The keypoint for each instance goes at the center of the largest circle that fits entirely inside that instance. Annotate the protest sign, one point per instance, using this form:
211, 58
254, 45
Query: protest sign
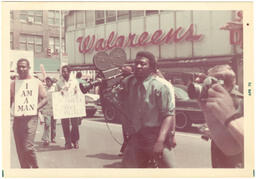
26, 97
69, 105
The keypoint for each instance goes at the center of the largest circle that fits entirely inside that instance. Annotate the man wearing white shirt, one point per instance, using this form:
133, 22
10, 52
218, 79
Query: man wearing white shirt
69, 85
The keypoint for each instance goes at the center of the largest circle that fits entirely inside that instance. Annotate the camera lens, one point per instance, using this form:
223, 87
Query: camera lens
194, 90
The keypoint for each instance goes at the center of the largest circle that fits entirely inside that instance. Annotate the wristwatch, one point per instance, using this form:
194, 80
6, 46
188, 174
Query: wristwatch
172, 133
231, 118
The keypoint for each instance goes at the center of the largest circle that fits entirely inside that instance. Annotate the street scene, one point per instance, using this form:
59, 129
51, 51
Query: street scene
100, 148
126, 89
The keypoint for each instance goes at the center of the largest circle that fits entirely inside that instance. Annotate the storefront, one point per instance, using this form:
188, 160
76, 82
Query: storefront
182, 41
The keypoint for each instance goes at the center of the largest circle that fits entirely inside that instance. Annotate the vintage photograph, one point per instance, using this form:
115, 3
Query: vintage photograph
150, 88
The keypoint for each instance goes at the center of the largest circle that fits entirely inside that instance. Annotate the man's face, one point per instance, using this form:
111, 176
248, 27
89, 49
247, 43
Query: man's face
48, 83
23, 69
142, 68
65, 73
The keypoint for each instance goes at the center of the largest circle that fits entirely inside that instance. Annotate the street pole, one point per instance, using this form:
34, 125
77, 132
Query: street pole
60, 49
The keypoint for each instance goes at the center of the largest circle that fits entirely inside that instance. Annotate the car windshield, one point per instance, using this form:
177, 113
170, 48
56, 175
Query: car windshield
181, 94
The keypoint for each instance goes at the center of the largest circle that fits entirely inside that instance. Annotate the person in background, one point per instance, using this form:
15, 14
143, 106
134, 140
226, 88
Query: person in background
69, 85
82, 82
24, 127
47, 112
149, 103
223, 111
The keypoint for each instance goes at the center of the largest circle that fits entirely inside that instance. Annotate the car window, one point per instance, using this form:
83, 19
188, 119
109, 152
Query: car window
180, 94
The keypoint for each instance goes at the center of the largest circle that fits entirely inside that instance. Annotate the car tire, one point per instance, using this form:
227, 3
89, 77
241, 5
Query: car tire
182, 121
110, 113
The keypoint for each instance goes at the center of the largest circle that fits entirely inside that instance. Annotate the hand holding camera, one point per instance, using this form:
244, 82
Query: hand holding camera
219, 103
200, 91
221, 74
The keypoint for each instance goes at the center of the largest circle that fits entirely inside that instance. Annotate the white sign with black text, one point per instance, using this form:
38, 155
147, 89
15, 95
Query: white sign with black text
26, 97
68, 105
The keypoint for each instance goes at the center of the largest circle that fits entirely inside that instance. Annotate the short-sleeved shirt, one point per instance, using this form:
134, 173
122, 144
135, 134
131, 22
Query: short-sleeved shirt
47, 109
67, 86
147, 103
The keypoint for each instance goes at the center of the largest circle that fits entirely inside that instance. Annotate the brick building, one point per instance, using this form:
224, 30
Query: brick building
38, 31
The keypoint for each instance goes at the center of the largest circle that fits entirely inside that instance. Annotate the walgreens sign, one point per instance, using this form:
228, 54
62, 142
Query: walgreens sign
90, 43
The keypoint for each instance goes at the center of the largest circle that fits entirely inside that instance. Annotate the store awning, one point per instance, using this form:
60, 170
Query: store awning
195, 62
50, 64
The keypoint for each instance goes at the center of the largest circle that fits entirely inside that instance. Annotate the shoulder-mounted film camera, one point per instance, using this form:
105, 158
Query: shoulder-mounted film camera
109, 72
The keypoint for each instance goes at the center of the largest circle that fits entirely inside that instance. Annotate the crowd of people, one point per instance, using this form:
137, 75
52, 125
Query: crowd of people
148, 106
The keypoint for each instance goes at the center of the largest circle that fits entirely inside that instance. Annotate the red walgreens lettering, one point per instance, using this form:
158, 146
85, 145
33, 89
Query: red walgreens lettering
143, 39
100, 45
120, 41
110, 42
156, 37
175, 36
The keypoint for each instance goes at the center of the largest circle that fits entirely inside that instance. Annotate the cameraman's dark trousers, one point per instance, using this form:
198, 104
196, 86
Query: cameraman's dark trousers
71, 136
24, 131
139, 151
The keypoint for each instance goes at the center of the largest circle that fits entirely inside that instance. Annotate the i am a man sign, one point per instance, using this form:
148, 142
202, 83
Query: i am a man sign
26, 97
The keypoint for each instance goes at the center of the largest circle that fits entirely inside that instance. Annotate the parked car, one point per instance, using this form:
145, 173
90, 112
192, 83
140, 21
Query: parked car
188, 111
91, 101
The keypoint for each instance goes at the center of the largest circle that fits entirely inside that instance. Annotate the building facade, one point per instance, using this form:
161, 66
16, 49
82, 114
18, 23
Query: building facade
182, 41
37, 31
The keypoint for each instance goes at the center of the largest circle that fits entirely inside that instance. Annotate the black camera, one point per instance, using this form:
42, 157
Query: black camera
200, 90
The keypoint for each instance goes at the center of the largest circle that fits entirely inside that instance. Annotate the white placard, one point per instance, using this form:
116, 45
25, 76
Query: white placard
69, 105
26, 97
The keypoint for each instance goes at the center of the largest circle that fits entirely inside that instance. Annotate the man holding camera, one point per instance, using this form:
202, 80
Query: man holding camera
223, 111
149, 104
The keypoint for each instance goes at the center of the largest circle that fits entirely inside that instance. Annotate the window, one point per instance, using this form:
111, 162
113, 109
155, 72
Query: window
123, 15
148, 13
99, 17
181, 94
11, 40
54, 45
80, 17
31, 42
111, 16
137, 13
32, 17
54, 18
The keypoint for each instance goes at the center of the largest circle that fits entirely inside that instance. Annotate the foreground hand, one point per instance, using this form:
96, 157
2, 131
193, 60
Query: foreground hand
219, 103
158, 147
173, 142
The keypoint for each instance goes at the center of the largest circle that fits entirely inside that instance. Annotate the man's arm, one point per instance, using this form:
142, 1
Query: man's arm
168, 124
166, 104
236, 128
221, 106
12, 92
42, 96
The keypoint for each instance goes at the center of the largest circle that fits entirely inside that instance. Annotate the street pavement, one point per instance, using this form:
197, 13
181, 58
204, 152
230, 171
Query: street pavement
100, 145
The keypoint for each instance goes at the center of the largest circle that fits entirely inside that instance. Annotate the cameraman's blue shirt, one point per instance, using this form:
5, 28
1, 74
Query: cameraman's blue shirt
146, 103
